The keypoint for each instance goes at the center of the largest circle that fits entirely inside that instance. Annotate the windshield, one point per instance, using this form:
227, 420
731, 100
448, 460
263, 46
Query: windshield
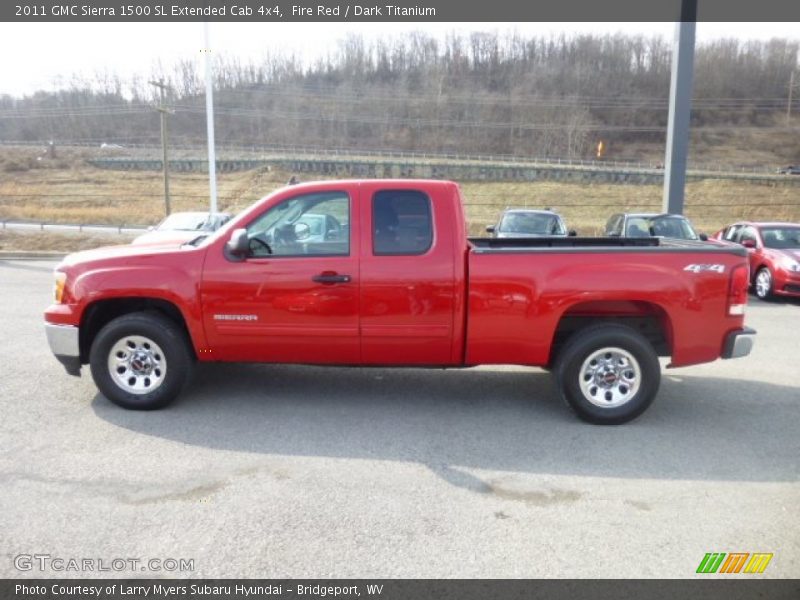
672, 227
187, 222
781, 238
527, 222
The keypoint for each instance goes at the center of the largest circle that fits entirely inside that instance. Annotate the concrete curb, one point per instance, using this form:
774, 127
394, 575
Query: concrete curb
11, 255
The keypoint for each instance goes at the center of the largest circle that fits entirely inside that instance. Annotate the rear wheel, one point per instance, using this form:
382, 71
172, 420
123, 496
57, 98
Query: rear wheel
608, 374
763, 284
141, 360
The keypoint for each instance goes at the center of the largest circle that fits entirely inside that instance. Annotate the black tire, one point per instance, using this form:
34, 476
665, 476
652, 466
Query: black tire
764, 291
628, 399
173, 355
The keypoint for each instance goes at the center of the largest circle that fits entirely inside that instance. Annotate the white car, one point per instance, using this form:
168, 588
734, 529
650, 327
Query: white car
183, 227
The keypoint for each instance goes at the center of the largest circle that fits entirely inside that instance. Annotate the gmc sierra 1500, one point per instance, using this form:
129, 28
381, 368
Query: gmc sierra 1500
381, 272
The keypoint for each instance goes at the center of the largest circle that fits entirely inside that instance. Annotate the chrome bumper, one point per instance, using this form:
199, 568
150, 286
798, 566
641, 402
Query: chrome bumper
64, 344
738, 343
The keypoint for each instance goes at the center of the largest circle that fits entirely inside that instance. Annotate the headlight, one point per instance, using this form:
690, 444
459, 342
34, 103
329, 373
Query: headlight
790, 264
58, 288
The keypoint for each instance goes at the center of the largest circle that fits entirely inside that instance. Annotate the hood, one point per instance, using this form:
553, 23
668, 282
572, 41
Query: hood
793, 253
527, 235
126, 251
169, 237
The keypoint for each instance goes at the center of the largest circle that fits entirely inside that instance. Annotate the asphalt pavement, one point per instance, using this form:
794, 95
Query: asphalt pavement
293, 471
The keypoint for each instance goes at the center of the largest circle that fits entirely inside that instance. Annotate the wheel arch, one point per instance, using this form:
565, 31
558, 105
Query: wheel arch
757, 268
101, 312
647, 318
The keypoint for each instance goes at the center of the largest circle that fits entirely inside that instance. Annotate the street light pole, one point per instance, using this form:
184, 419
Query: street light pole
680, 107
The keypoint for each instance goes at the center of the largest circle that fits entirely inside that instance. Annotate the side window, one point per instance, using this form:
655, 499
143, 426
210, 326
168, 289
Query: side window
401, 222
637, 227
748, 233
732, 232
308, 225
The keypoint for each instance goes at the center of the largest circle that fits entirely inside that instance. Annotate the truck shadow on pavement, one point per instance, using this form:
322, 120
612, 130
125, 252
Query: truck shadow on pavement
700, 428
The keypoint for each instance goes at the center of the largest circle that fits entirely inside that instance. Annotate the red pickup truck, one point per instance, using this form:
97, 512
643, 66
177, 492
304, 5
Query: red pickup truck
382, 273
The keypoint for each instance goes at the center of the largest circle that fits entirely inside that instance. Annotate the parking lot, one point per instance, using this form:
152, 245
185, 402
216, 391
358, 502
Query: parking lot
293, 471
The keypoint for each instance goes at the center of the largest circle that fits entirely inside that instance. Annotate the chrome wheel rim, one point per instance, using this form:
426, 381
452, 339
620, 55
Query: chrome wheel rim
137, 364
763, 283
610, 377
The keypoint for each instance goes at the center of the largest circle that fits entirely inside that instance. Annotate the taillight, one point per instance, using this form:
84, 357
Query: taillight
737, 293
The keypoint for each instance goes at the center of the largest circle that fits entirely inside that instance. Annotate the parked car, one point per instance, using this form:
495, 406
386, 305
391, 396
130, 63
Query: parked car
183, 227
524, 222
789, 170
652, 225
774, 251
402, 285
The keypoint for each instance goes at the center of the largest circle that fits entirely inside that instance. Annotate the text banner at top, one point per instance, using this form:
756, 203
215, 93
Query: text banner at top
266, 11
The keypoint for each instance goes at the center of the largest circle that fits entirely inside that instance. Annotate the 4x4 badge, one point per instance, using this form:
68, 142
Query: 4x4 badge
700, 268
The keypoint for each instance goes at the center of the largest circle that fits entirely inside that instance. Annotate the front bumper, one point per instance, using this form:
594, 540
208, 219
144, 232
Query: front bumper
787, 283
738, 343
65, 345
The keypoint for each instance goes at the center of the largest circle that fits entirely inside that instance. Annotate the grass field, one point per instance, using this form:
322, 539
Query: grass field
68, 190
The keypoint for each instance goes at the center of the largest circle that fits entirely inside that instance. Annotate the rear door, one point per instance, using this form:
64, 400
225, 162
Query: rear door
408, 290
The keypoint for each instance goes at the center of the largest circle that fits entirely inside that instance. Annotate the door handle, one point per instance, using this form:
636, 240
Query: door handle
330, 278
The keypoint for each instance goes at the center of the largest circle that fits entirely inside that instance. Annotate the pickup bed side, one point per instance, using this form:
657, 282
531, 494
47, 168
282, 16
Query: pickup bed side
520, 302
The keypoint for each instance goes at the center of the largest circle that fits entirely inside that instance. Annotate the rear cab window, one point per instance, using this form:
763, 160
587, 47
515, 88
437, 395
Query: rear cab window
402, 223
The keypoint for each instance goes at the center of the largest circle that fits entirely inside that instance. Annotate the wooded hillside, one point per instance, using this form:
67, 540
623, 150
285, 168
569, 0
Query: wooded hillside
476, 93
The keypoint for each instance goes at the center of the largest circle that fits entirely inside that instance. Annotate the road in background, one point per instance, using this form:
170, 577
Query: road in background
290, 471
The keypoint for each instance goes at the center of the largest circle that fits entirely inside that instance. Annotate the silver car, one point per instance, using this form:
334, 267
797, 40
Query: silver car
524, 222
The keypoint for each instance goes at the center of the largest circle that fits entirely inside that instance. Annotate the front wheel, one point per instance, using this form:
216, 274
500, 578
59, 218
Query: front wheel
141, 361
763, 284
608, 374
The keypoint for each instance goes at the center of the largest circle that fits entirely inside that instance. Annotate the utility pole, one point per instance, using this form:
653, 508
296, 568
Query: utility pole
162, 108
789, 102
680, 108
212, 161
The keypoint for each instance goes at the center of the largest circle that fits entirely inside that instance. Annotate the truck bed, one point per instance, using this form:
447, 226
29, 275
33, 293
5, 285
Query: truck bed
577, 244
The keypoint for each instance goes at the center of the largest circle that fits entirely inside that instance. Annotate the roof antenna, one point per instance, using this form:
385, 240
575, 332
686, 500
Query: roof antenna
293, 180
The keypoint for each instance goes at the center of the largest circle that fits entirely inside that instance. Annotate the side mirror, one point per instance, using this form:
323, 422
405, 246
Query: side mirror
613, 234
703, 237
302, 231
239, 244
749, 244
572, 233
490, 229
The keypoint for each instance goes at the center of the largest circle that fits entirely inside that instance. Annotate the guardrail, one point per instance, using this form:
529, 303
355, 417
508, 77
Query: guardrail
371, 167
222, 148
72, 228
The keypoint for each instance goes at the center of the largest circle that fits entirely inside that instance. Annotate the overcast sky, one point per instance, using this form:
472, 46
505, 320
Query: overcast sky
34, 55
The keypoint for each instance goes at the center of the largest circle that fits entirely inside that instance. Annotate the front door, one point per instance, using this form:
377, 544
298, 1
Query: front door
294, 298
